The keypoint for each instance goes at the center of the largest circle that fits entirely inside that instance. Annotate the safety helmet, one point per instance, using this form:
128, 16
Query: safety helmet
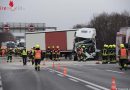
114, 45
53, 46
104, 45
110, 46
57, 46
37, 46
122, 45
83, 46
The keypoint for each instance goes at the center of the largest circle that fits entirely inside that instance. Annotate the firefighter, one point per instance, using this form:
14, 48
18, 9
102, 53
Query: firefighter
113, 53
3, 52
105, 54
32, 55
9, 55
48, 53
83, 51
38, 56
80, 52
57, 53
24, 56
110, 53
53, 53
123, 56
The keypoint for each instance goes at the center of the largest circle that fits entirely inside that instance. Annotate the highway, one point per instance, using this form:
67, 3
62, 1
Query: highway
62, 75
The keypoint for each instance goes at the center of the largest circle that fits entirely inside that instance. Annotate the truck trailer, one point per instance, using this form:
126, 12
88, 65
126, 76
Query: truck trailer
64, 39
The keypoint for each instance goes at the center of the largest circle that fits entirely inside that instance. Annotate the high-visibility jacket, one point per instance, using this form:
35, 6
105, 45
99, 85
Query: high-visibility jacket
123, 53
24, 52
104, 52
32, 52
37, 54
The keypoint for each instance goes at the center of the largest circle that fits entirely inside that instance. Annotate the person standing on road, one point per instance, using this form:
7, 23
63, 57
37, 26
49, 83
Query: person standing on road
24, 56
53, 53
105, 54
110, 53
9, 55
32, 55
113, 53
38, 56
57, 53
123, 56
48, 53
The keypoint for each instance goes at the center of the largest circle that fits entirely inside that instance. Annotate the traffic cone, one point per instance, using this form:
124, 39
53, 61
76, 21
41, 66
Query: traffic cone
113, 86
53, 65
65, 71
58, 67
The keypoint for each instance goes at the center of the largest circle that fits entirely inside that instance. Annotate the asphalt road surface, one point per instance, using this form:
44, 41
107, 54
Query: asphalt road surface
62, 75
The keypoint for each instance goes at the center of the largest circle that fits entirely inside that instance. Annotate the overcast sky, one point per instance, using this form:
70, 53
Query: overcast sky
61, 13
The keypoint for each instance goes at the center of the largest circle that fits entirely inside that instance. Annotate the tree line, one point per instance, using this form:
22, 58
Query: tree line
107, 25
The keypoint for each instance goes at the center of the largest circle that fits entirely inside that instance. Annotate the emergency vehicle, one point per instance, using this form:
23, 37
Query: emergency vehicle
123, 37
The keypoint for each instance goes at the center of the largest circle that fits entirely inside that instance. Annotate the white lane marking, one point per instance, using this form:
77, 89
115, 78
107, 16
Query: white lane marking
73, 80
0, 83
51, 71
94, 88
114, 71
1, 88
60, 75
98, 86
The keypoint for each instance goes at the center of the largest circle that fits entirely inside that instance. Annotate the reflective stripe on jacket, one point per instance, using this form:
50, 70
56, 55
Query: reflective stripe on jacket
37, 54
104, 52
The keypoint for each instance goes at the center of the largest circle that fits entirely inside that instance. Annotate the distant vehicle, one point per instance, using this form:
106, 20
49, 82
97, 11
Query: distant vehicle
9, 44
85, 37
62, 38
123, 37
21, 43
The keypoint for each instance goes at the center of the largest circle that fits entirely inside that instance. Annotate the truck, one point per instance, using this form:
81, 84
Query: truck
62, 38
67, 40
123, 37
85, 37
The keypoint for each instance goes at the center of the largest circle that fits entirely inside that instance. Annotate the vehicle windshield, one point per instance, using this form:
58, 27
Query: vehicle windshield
85, 40
10, 45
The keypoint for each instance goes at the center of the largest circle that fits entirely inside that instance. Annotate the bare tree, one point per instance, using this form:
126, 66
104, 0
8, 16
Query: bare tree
107, 25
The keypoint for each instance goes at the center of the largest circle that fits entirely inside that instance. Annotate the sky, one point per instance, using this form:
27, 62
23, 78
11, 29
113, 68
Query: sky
63, 14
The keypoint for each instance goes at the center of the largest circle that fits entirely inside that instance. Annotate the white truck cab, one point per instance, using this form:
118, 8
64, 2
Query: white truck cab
86, 37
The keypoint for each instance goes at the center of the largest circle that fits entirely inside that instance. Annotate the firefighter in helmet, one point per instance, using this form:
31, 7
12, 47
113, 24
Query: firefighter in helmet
9, 54
105, 54
123, 56
24, 56
113, 53
57, 53
38, 56
53, 53
48, 53
110, 53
